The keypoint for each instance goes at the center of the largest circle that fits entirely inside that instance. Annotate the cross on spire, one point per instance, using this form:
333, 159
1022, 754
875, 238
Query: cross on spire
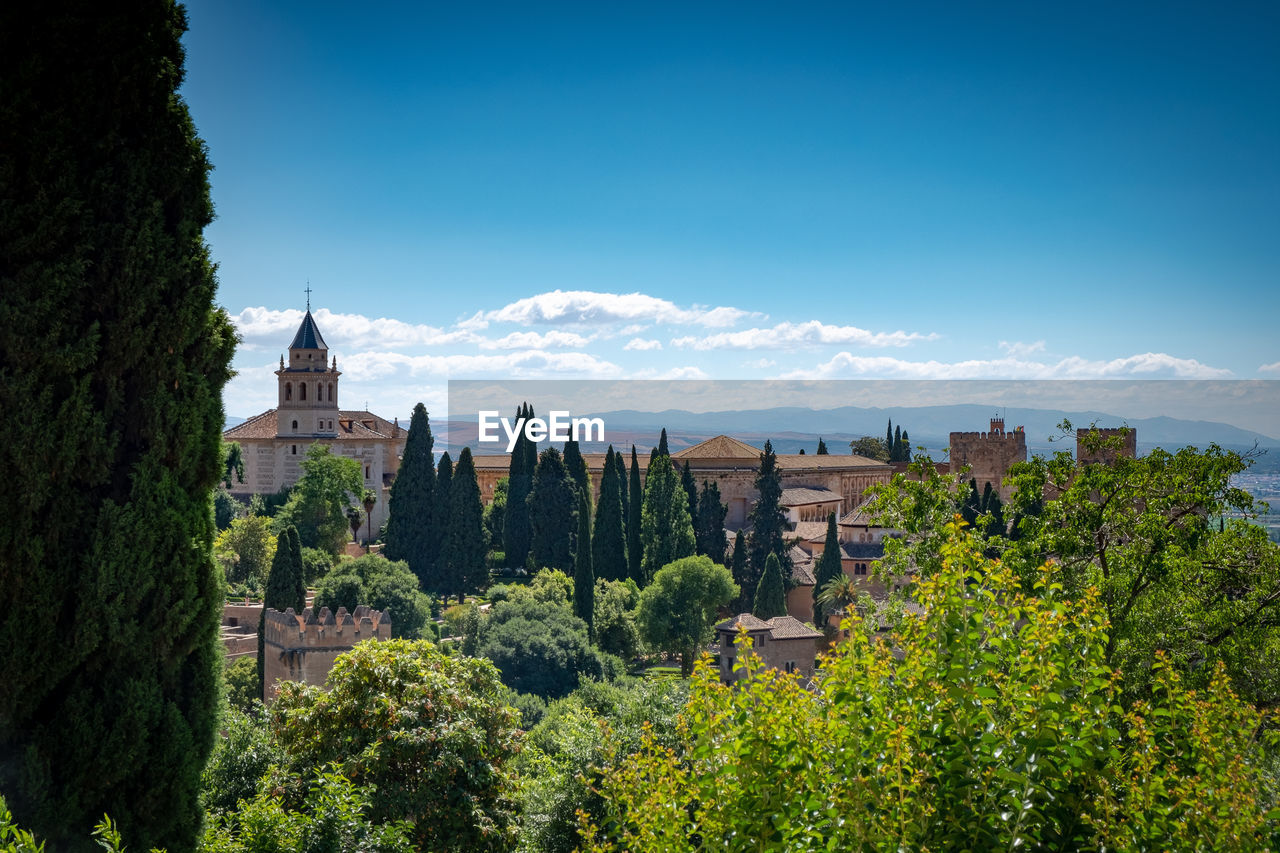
308, 295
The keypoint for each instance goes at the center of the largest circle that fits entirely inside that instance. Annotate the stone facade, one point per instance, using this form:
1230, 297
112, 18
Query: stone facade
1128, 441
275, 442
782, 643
304, 648
989, 455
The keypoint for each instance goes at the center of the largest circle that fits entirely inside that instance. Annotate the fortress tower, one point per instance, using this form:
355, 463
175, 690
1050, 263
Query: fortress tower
308, 403
989, 455
1125, 437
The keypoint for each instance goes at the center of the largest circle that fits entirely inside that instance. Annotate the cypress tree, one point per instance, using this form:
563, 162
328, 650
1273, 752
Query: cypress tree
665, 525
895, 454
888, 440
411, 524
285, 588
635, 511
553, 507
515, 531
609, 540
621, 465
577, 466
743, 576
653, 456
708, 525
768, 521
906, 447
690, 490
115, 357
584, 579
827, 570
462, 552
437, 578
822, 447
771, 595
662, 444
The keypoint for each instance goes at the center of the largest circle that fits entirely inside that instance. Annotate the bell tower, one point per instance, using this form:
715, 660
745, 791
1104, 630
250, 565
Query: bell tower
308, 385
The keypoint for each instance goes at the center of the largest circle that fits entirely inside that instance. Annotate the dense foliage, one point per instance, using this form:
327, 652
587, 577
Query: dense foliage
827, 570
989, 721
771, 594
665, 526
609, 536
678, 609
461, 564
553, 510
539, 646
635, 516
115, 356
425, 736
767, 521
319, 501
708, 523
386, 585
517, 533
411, 533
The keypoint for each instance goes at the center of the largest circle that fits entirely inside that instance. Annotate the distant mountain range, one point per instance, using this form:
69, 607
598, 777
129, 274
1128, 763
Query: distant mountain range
791, 428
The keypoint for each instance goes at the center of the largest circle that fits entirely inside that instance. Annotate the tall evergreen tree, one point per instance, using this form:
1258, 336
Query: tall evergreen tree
888, 439
827, 570
113, 352
635, 512
577, 466
515, 530
621, 464
708, 525
437, 580
822, 447
285, 588
553, 507
895, 454
743, 576
463, 549
768, 521
662, 444
771, 593
411, 525
609, 540
690, 489
584, 578
665, 525
906, 447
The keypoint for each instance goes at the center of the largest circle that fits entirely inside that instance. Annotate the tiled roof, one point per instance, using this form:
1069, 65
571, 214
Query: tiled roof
862, 550
805, 496
808, 531
720, 447
802, 567
779, 627
803, 461
350, 426
308, 336
857, 517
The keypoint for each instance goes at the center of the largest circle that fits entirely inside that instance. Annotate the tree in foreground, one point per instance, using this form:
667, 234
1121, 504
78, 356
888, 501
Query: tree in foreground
1006, 733
411, 526
771, 593
828, 569
665, 525
116, 357
426, 737
679, 607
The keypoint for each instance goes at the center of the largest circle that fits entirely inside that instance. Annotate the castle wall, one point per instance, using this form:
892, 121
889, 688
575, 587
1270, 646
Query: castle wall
1128, 441
989, 455
304, 648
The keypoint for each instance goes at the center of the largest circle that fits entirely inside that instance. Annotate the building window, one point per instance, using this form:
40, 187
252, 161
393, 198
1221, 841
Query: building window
288, 391
860, 569
295, 450
302, 390
790, 666
295, 426
366, 472
330, 392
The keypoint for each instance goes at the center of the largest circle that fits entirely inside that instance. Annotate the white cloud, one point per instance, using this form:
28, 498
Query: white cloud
759, 363
1144, 366
555, 339
587, 307
673, 373
1018, 348
1270, 368
533, 364
642, 345
786, 336
265, 328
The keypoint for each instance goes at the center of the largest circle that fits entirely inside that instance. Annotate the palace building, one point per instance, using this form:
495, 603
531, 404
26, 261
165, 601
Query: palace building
276, 441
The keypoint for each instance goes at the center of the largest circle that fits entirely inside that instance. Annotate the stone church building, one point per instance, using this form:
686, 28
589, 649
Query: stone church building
276, 441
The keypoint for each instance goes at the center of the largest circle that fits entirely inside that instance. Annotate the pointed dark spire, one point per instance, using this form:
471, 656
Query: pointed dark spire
308, 336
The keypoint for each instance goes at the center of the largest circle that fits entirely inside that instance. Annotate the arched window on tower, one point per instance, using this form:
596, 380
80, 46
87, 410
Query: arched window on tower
330, 392
295, 426
302, 390
288, 391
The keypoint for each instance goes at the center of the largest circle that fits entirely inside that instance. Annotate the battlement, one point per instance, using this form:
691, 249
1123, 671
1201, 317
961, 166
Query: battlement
1016, 436
324, 629
1115, 442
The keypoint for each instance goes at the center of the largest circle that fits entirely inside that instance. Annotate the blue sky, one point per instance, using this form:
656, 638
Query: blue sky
743, 190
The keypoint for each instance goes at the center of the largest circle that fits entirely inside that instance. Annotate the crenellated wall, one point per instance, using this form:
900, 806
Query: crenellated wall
304, 648
989, 455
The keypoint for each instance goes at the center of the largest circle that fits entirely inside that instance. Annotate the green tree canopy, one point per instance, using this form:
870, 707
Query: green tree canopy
822, 447
768, 521
828, 569
245, 550
771, 593
635, 516
869, 447
615, 627
743, 576
679, 607
665, 525
319, 501
609, 538
495, 513
540, 647
115, 355
427, 738
553, 509
584, 578
990, 722
462, 554
708, 523
382, 584
517, 533
412, 530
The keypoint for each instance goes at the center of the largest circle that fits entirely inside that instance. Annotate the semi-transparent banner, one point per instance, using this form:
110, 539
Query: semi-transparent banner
795, 415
